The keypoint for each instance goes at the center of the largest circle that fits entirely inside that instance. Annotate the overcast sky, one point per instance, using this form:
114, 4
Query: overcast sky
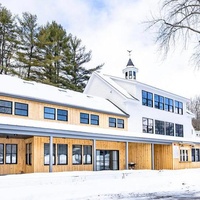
109, 29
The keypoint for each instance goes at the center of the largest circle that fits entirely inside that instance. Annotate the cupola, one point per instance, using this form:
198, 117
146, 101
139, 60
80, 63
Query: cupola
130, 71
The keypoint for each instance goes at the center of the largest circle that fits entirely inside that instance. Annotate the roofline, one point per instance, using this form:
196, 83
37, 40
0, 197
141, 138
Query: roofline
60, 104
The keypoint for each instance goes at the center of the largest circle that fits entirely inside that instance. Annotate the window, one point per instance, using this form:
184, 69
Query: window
87, 154
1, 153
11, 153
112, 122
159, 127
49, 113
159, 102
178, 107
62, 115
21, 109
195, 155
179, 130
29, 154
94, 119
5, 107
120, 123
84, 118
183, 155
62, 154
169, 105
147, 125
76, 154
147, 99
169, 128
47, 153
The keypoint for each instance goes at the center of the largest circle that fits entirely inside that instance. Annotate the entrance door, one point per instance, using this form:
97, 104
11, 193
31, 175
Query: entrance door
107, 160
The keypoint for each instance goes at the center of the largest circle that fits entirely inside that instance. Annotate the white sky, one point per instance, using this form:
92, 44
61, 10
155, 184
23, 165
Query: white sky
102, 185
109, 29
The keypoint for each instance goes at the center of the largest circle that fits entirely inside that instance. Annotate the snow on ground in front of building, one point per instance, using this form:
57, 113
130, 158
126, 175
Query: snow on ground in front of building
125, 184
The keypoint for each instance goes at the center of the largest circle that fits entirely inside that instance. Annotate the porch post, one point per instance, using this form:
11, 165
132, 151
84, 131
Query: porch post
94, 156
50, 153
126, 155
152, 156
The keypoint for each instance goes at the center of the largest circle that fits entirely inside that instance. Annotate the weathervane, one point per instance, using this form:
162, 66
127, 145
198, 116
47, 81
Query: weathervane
129, 51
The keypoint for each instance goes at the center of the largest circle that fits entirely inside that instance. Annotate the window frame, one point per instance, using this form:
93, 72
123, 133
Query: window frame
87, 150
184, 155
11, 153
147, 98
47, 114
28, 153
79, 162
94, 119
169, 105
62, 153
179, 131
2, 153
147, 126
120, 123
112, 122
178, 107
5, 107
48, 153
169, 126
61, 115
195, 154
159, 127
84, 118
159, 102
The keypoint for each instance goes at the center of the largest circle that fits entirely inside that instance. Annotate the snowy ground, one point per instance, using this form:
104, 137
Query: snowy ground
103, 185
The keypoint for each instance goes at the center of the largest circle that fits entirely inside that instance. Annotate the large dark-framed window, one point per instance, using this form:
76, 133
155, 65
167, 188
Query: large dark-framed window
5, 107
169, 104
29, 154
179, 130
169, 128
11, 153
112, 122
62, 115
76, 154
178, 107
94, 119
195, 155
147, 125
49, 113
159, 102
147, 98
159, 127
84, 118
87, 154
47, 153
62, 154
1, 153
120, 123
183, 155
21, 109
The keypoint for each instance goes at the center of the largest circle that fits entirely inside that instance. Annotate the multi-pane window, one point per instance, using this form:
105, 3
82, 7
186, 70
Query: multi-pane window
178, 107
5, 107
112, 122
84, 118
76, 154
11, 153
29, 154
94, 120
1, 153
195, 155
179, 130
147, 98
62, 154
169, 128
169, 105
159, 127
49, 113
120, 123
21, 109
87, 154
159, 102
147, 125
62, 115
47, 154
183, 155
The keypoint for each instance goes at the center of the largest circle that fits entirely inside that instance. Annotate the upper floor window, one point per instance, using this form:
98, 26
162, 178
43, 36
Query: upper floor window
183, 155
49, 113
11, 153
1, 153
159, 127
169, 128
179, 130
62, 115
87, 154
21, 109
5, 107
147, 125
120, 123
29, 154
84, 118
62, 154
159, 102
112, 122
178, 107
94, 119
169, 105
147, 99
195, 155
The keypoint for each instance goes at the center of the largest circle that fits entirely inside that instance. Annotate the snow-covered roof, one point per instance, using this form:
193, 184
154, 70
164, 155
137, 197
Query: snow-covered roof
16, 87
